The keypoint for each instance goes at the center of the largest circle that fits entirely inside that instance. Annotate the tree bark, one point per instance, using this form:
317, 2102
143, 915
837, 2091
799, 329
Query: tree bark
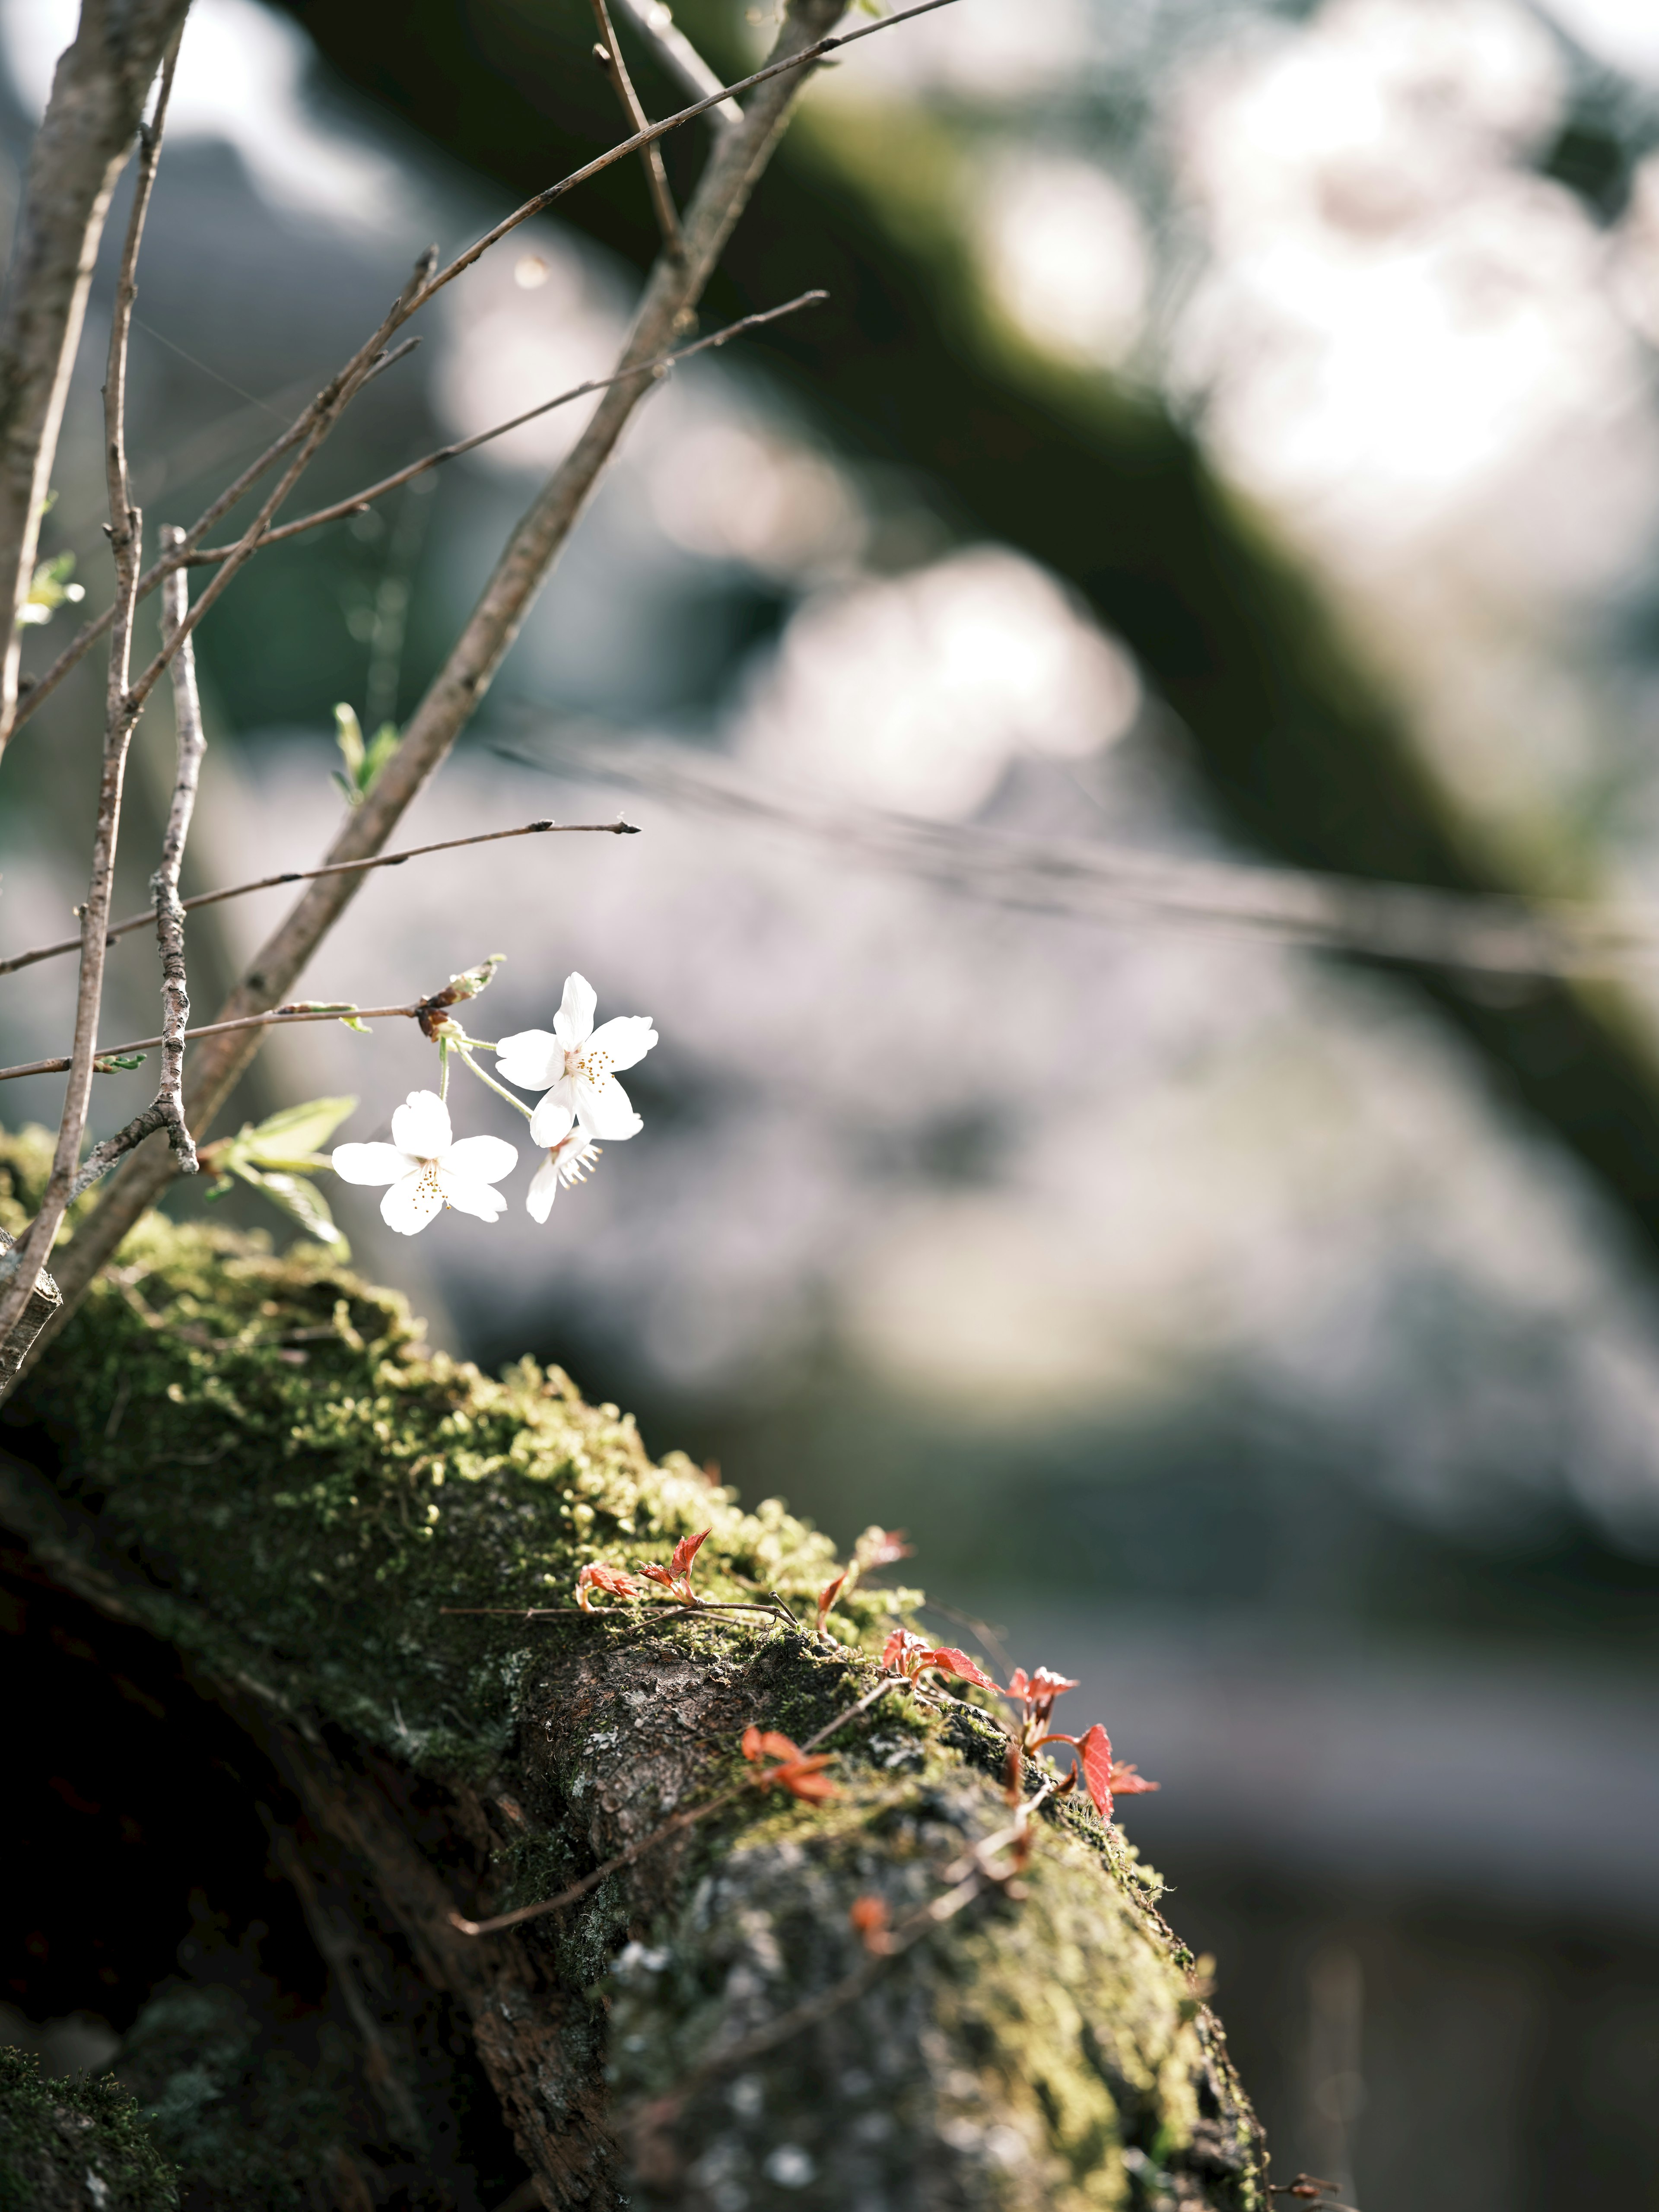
258, 1466
98, 96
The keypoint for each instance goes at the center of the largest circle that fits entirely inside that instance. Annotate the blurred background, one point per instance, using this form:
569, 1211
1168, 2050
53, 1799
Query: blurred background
1233, 437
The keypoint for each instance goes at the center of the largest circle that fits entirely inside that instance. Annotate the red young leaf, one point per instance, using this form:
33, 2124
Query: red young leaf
656, 1574
898, 1653
950, 1661
1128, 1780
1095, 1755
767, 1743
827, 1598
1019, 1686
599, 1576
804, 1779
686, 1551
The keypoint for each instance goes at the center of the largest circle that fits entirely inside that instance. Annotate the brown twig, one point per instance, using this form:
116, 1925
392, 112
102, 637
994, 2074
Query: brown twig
735, 162
100, 91
681, 58
333, 1010
169, 913
617, 829
188, 553
121, 715
609, 56
800, 58
359, 500
1413, 924
673, 1827
38, 689
165, 1110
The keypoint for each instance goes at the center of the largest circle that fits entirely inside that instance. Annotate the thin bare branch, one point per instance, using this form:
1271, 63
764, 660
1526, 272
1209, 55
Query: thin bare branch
609, 56
331, 1010
121, 713
734, 167
617, 828
680, 58
98, 96
675, 1826
165, 1110
359, 500
164, 883
35, 691
427, 283
1118, 885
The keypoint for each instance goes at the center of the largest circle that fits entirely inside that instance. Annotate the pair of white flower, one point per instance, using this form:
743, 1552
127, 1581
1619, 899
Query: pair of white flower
425, 1168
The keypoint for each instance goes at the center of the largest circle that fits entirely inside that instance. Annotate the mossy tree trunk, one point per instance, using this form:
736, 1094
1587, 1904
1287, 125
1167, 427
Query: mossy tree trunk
250, 1465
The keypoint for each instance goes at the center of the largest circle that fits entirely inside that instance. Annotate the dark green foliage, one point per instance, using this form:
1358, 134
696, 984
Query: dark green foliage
58, 2137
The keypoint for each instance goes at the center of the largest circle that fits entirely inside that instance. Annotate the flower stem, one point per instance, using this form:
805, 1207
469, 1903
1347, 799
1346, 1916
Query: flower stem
443, 1067
490, 1084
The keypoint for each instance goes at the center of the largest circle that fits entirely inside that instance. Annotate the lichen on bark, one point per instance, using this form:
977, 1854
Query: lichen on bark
260, 1462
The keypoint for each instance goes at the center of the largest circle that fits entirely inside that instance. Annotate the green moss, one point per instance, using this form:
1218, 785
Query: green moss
56, 2138
1047, 2048
306, 1487
311, 1487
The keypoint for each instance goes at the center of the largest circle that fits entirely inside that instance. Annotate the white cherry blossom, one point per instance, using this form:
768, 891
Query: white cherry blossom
576, 1068
427, 1169
568, 1162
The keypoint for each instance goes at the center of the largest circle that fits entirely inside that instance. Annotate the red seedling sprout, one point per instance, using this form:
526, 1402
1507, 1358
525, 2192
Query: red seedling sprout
675, 1577
1104, 1776
826, 1597
801, 1776
909, 1655
611, 1580
876, 1547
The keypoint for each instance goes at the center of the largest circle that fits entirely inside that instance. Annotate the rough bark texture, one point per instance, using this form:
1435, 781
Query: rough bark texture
258, 1465
44, 1302
98, 98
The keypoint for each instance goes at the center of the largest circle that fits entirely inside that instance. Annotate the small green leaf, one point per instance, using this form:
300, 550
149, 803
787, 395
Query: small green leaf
107, 1062
348, 736
363, 763
351, 1021
381, 746
291, 1136
304, 1203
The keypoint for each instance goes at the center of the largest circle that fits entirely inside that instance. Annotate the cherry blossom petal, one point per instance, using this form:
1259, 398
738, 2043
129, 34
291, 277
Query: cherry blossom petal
531, 1058
604, 1110
573, 1022
468, 1195
544, 1189
371, 1163
554, 1114
480, 1159
576, 1159
624, 1041
412, 1202
421, 1126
